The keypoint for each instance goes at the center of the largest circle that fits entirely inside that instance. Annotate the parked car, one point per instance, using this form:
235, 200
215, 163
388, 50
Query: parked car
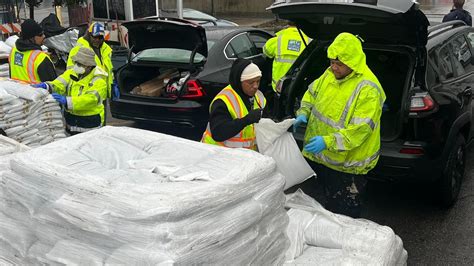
199, 59
426, 73
197, 17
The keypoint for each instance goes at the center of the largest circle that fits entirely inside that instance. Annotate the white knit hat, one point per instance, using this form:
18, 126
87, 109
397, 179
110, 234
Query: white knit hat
250, 72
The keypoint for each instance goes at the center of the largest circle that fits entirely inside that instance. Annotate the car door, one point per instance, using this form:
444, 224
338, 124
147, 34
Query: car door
453, 65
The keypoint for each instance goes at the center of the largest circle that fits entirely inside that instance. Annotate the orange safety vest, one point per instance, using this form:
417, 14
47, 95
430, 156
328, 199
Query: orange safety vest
237, 110
24, 65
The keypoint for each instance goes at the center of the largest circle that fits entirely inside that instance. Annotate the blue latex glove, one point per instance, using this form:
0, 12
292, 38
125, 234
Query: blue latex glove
59, 98
115, 91
299, 120
315, 145
41, 85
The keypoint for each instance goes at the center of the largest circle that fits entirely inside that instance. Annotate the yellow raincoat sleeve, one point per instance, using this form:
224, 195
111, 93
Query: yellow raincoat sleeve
59, 85
270, 47
91, 98
364, 120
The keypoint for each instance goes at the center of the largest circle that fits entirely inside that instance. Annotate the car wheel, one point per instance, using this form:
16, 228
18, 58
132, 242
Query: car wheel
451, 180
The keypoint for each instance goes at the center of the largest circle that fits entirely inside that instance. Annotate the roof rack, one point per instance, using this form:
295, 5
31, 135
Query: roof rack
453, 23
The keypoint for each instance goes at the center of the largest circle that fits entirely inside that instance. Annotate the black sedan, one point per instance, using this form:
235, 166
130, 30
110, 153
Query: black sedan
177, 67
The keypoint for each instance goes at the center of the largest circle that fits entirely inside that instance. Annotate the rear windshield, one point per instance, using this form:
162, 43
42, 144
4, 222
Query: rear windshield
169, 55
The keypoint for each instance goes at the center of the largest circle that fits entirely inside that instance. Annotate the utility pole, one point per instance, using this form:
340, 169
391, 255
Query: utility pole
180, 8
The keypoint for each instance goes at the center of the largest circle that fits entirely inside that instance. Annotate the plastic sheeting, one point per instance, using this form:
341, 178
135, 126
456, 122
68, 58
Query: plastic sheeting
274, 140
117, 196
29, 115
318, 236
63, 42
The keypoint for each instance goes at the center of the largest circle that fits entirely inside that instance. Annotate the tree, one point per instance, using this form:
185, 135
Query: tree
31, 5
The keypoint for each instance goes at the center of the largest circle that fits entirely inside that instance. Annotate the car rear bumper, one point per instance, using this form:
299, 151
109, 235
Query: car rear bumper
399, 167
186, 114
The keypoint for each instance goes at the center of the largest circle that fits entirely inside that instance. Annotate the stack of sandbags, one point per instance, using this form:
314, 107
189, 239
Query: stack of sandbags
29, 115
130, 197
320, 237
5, 49
8, 256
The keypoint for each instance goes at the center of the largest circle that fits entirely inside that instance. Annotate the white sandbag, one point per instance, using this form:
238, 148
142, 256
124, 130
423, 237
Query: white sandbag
23, 91
8, 146
360, 241
299, 219
11, 40
4, 67
71, 252
274, 140
5, 48
15, 234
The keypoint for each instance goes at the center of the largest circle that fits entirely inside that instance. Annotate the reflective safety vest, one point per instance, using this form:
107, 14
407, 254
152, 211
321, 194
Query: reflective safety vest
24, 65
346, 113
285, 49
84, 97
105, 62
237, 110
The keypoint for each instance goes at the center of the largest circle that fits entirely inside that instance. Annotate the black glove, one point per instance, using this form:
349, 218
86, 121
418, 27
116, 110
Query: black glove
253, 116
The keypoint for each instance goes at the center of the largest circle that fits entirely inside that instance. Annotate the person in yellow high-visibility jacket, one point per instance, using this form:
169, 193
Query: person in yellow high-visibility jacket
81, 91
284, 48
342, 109
28, 62
94, 39
236, 108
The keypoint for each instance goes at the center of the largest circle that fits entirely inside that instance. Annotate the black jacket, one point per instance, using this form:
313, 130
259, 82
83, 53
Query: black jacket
223, 127
46, 70
459, 14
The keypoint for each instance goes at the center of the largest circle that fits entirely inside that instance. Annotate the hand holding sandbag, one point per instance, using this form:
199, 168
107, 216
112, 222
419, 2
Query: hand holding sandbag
254, 116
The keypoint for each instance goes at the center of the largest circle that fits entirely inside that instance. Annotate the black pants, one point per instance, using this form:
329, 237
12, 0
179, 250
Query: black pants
344, 193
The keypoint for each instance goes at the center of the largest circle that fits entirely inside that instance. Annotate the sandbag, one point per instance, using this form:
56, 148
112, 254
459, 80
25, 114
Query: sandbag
274, 140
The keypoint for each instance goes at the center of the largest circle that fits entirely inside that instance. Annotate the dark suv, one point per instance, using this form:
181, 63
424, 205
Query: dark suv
426, 73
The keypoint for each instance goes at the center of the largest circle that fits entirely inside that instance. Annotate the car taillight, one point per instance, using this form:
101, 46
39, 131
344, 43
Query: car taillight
412, 150
194, 90
421, 102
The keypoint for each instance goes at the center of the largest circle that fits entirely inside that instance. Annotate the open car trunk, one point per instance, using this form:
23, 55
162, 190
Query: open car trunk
165, 83
393, 69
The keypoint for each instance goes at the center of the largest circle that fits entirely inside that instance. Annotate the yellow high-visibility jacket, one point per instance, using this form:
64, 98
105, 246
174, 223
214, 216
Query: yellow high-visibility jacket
285, 47
346, 112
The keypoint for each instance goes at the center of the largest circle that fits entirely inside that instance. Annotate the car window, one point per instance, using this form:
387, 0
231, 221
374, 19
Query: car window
259, 40
445, 63
240, 47
463, 62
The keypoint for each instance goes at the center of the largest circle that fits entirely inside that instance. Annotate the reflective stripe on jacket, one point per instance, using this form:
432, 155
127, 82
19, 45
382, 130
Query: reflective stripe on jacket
285, 49
237, 110
24, 65
105, 62
84, 97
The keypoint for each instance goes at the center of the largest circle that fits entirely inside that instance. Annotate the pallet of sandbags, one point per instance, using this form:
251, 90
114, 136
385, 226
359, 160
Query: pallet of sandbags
320, 237
29, 115
127, 196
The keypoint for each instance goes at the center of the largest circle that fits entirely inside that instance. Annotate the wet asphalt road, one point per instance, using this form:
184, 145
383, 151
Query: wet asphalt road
431, 235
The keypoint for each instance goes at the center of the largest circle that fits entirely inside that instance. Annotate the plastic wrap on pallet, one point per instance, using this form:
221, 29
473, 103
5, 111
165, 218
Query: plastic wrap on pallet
319, 236
129, 196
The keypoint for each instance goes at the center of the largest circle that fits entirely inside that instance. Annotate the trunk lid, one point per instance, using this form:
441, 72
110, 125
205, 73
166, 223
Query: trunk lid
382, 21
166, 40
